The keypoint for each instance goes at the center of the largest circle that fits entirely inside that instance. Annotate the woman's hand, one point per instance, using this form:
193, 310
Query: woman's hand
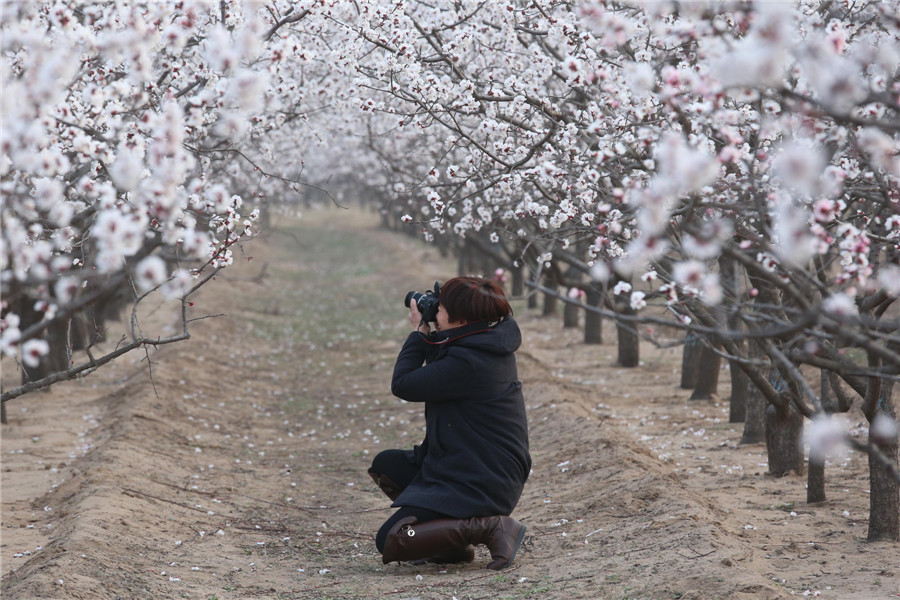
415, 318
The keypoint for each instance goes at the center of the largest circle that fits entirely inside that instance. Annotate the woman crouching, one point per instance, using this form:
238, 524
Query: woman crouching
457, 489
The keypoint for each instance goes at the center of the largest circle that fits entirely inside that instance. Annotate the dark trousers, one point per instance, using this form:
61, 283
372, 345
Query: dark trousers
400, 467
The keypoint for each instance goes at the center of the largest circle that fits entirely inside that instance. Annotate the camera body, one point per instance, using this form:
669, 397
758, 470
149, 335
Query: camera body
427, 303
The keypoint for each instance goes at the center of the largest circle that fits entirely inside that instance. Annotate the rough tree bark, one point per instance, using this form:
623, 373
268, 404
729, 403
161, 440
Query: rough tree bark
707, 374
593, 324
550, 300
884, 499
628, 340
737, 403
518, 280
690, 361
740, 393
784, 437
815, 477
570, 315
55, 334
754, 418
572, 311
784, 431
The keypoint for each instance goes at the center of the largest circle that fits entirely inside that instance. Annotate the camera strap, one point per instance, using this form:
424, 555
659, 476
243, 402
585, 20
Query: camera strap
460, 332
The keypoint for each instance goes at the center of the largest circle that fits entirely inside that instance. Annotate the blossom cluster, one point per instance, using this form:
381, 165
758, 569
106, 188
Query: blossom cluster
621, 136
133, 133
651, 131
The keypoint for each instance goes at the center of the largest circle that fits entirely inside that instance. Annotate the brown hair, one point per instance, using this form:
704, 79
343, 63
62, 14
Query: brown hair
472, 299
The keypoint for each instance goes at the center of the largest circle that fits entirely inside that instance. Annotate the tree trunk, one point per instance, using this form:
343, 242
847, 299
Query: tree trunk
707, 374
570, 315
740, 391
754, 418
534, 276
815, 478
754, 421
572, 311
550, 301
784, 436
56, 335
731, 286
593, 324
518, 280
443, 245
3, 413
265, 217
629, 348
884, 499
486, 264
690, 361
466, 265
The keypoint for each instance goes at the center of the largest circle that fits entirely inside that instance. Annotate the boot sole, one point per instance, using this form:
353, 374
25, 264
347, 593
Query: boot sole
515, 551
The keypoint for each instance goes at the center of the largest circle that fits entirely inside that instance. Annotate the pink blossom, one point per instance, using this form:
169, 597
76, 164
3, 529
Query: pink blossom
824, 210
799, 166
689, 273
882, 149
670, 292
792, 240
730, 154
66, 289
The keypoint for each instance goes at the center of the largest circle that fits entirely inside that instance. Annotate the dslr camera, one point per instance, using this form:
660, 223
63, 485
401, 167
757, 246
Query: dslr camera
427, 302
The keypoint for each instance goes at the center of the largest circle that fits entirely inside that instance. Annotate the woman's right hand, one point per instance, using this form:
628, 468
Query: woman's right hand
415, 318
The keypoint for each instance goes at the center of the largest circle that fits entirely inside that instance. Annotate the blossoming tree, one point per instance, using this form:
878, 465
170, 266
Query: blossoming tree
674, 138
137, 138
730, 170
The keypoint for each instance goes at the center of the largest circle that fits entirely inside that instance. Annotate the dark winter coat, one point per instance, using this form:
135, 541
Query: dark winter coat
474, 460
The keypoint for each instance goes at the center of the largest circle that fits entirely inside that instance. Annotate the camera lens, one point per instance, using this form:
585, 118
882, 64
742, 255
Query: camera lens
412, 296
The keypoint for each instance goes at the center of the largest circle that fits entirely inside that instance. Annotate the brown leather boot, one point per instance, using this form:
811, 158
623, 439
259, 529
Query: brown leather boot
409, 540
453, 556
502, 535
391, 489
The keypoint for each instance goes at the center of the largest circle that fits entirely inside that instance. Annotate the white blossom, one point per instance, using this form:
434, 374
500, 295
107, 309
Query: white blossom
33, 350
889, 279
622, 287
150, 272
825, 433
883, 429
840, 305
637, 300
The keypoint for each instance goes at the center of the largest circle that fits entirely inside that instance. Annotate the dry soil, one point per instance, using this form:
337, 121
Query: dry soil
233, 465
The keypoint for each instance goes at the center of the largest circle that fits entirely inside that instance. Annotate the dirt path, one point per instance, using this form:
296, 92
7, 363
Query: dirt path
238, 471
